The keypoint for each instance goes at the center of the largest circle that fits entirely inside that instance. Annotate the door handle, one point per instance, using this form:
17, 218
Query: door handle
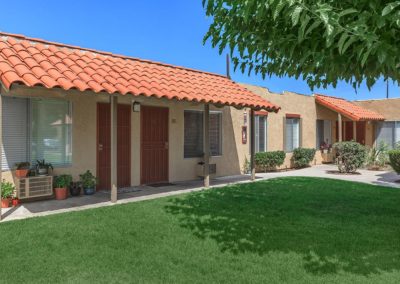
100, 147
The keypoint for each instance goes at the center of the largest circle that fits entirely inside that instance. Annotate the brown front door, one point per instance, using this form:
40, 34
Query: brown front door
104, 146
361, 132
154, 145
349, 131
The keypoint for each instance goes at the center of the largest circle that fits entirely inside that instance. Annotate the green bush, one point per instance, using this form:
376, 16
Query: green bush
394, 160
302, 157
351, 156
269, 160
377, 156
62, 181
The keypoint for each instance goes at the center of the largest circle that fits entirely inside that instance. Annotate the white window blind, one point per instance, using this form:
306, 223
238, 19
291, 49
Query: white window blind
193, 133
292, 134
324, 132
15, 132
388, 132
51, 131
260, 133
36, 129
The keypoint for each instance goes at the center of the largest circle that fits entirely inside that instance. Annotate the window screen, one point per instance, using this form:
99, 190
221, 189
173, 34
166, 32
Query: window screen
15, 132
388, 132
292, 134
36, 129
193, 133
261, 133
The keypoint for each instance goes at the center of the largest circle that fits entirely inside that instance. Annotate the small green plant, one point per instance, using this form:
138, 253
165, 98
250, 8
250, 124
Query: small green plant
394, 160
42, 164
302, 157
351, 156
7, 189
269, 160
377, 156
62, 181
88, 180
22, 166
246, 166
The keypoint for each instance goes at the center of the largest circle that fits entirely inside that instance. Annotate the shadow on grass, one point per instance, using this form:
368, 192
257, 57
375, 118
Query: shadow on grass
334, 225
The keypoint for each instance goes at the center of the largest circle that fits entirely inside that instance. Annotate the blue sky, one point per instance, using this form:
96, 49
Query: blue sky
166, 31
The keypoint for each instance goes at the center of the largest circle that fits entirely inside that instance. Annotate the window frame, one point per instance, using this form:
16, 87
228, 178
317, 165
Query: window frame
395, 125
257, 133
28, 125
292, 118
221, 136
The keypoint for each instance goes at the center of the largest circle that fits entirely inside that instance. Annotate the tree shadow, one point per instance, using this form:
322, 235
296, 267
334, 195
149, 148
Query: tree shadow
334, 225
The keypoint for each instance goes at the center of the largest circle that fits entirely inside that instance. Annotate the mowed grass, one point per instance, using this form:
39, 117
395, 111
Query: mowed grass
292, 230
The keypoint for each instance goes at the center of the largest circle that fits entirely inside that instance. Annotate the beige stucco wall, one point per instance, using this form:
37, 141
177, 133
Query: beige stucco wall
293, 103
84, 107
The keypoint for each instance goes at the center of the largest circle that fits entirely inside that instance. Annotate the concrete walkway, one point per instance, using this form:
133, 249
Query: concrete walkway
134, 194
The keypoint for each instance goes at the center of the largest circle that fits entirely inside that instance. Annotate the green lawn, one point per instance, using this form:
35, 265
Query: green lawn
298, 230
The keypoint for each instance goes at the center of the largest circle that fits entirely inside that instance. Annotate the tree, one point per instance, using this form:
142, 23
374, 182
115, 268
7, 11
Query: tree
322, 41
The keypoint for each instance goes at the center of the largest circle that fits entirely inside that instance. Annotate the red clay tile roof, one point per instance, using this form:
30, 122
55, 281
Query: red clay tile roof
348, 109
35, 62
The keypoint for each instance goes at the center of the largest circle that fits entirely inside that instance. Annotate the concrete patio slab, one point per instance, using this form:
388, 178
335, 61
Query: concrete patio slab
139, 193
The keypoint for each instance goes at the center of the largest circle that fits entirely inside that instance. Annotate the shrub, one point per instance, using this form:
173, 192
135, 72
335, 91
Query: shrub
269, 160
377, 156
351, 156
302, 157
394, 160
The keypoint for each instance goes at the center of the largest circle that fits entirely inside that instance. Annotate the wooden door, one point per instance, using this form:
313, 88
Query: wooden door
104, 146
349, 131
154, 145
361, 128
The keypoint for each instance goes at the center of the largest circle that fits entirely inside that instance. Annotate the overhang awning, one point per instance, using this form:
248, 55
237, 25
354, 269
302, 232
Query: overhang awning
35, 62
348, 109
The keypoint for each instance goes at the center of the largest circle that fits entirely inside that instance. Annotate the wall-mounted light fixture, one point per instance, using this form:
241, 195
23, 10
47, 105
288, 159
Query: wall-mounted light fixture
135, 106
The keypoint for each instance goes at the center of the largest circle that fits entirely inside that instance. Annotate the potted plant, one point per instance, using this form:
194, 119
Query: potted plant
75, 188
15, 201
7, 190
22, 169
89, 182
61, 183
42, 167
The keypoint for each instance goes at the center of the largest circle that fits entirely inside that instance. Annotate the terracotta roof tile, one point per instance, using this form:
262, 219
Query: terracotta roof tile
35, 62
347, 108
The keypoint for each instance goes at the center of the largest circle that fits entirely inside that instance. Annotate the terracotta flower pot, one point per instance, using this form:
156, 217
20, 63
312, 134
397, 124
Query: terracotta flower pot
61, 193
21, 173
15, 202
5, 203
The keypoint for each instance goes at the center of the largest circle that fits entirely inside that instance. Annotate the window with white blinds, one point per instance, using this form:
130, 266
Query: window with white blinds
388, 132
15, 132
292, 132
260, 122
324, 132
36, 129
193, 133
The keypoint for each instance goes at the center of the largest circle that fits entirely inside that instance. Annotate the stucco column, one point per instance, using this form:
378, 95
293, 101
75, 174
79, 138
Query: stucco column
114, 112
340, 138
252, 145
206, 145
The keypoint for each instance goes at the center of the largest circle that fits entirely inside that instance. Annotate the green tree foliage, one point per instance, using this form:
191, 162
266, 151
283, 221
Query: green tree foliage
321, 41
